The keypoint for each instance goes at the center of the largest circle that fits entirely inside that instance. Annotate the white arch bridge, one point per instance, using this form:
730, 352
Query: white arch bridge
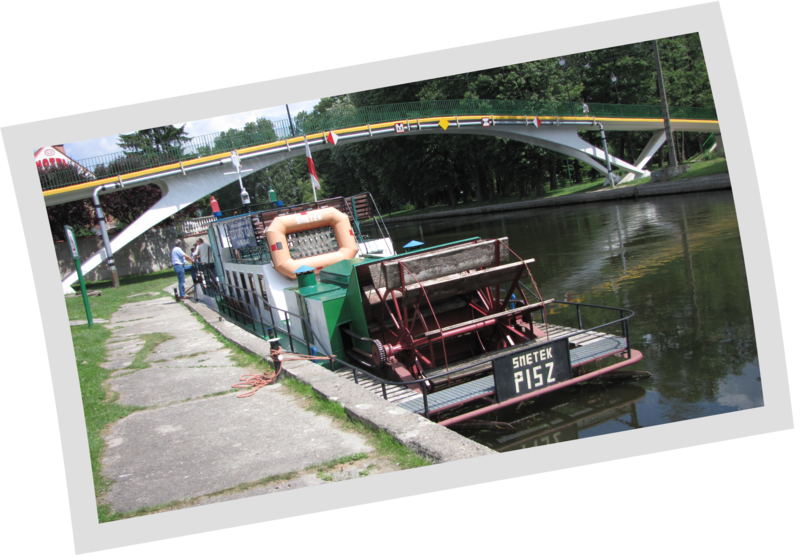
185, 182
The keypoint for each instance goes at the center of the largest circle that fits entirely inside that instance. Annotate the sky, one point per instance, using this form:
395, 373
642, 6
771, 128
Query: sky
108, 145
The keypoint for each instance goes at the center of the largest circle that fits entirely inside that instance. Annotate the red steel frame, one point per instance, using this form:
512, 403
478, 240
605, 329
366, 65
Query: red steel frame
404, 337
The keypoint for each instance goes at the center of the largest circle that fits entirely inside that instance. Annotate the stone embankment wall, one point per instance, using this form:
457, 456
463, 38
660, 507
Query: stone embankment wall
692, 185
147, 253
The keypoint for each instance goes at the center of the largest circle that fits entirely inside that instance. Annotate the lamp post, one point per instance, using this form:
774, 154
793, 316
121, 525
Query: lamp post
562, 62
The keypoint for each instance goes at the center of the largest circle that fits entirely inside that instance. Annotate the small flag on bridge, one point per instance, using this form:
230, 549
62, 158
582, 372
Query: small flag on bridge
536, 121
331, 137
311, 170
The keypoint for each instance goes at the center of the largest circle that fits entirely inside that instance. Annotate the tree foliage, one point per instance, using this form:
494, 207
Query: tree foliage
157, 140
448, 169
128, 204
77, 214
254, 133
290, 179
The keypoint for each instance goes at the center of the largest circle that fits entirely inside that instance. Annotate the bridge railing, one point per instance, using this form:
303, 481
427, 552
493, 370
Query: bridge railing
122, 163
196, 225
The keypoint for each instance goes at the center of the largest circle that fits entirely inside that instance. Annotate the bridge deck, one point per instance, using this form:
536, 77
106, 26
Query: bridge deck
419, 116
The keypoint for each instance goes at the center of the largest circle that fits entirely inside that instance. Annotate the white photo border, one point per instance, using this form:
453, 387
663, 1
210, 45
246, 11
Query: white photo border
774, 416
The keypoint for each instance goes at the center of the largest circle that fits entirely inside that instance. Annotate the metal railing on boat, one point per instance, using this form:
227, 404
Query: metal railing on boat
243, 307
360, 208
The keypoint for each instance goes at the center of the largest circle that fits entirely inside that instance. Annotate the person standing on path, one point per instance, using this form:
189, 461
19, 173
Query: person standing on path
585, 109
205, 258
178, 258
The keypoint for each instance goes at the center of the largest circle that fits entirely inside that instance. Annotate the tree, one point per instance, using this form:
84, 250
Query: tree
77, 214
450, 168
62, 174
330, 113
128, 204
158, 140
254, 133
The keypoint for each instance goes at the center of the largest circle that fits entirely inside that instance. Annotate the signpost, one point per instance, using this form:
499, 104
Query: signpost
73, 246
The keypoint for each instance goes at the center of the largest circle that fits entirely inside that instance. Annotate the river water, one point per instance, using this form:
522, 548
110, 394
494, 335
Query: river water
677, 262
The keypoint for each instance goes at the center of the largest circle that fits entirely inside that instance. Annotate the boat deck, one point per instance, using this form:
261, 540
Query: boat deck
584, 347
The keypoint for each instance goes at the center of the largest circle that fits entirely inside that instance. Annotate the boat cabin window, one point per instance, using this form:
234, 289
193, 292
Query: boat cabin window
263, 287
237, 287
252, 288
230, 283
244, 287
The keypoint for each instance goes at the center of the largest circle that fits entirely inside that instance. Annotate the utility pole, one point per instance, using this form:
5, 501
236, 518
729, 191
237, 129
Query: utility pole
664, 107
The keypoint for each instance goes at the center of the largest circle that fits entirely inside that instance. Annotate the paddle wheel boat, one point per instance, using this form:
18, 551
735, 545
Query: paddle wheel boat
451, 332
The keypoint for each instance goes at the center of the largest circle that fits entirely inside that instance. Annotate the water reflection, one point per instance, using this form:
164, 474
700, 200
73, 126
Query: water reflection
676, 261
563, 417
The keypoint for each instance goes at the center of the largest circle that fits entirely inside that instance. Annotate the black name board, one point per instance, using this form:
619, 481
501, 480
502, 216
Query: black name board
533, 369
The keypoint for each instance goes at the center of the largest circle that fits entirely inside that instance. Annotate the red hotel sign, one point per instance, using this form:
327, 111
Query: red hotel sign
47, 162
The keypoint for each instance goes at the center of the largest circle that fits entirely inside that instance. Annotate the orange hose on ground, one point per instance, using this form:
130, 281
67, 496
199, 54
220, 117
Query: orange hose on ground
256, 382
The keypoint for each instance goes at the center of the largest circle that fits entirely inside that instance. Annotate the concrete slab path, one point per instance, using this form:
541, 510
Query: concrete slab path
197, 438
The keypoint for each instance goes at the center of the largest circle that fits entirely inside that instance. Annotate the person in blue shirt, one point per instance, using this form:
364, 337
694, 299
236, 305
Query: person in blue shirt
178, 258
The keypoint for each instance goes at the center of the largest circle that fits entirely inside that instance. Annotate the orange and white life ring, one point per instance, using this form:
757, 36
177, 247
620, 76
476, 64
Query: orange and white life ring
293, 223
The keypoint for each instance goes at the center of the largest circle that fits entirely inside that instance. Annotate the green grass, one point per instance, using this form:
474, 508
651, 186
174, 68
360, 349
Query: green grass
577, 188
99, 407
99, 403
151, 341
699, 168
242, 358
385, 444
705, 168
104, 305
328, 466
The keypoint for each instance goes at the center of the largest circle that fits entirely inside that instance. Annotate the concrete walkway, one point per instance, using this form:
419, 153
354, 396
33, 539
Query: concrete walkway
196, 438
197, 443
